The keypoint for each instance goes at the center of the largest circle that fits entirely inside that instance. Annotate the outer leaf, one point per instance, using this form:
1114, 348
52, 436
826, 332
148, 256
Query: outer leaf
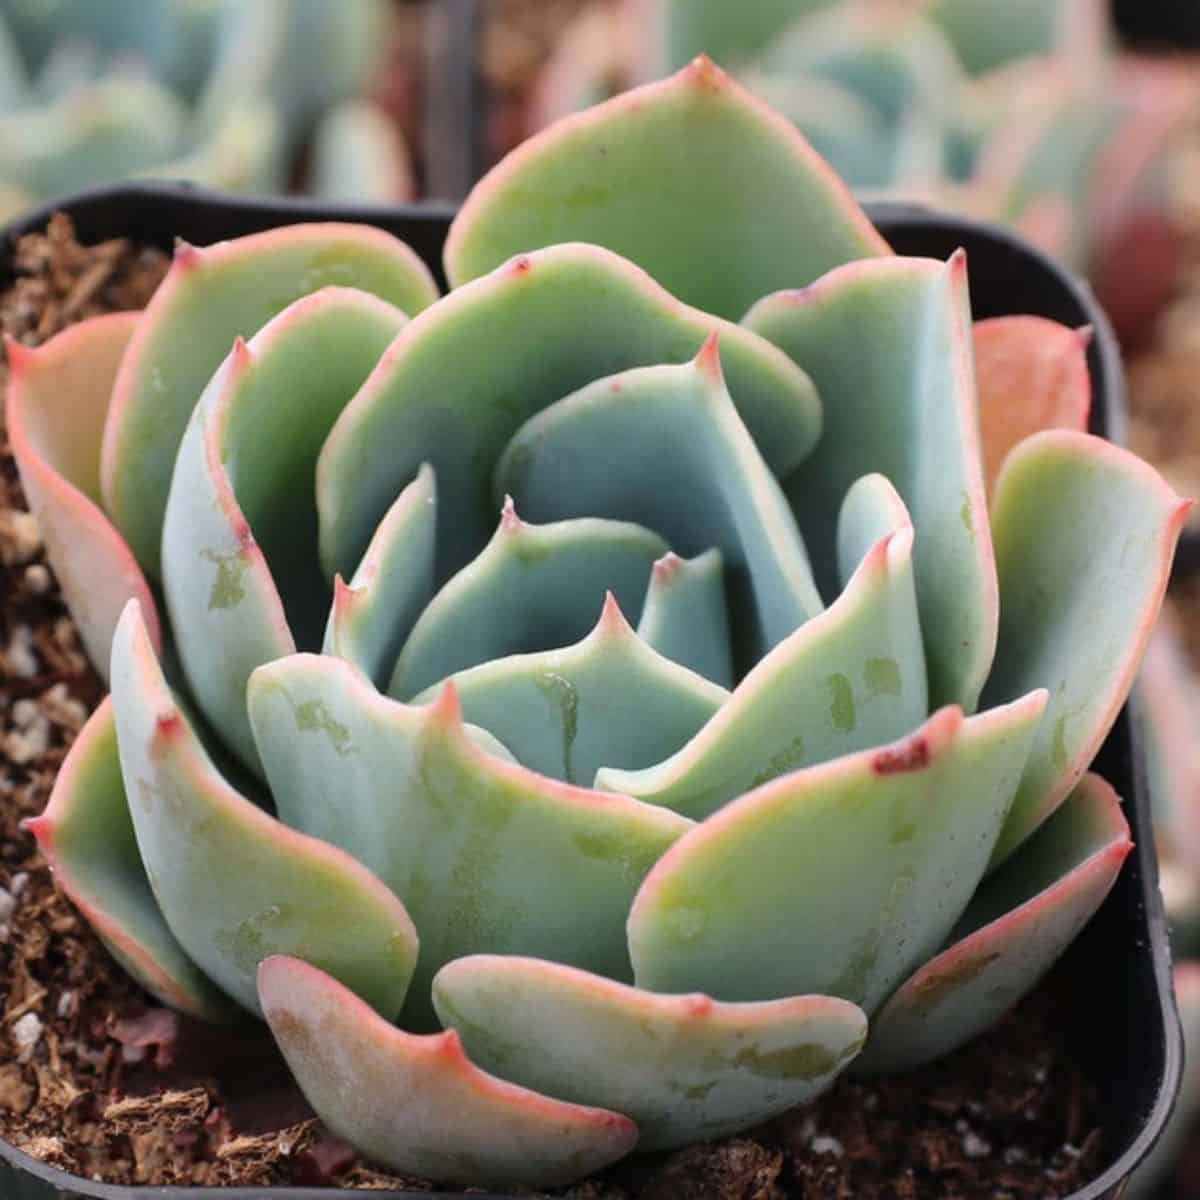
233, 884
1085, 534
1032, 375
208, 298
458, 383
533, 587
609, 700
56, 405
683, 1067
889, 346
416, 1104
659, 171
838, 879
87, 837
851, 678
485, 854
987, 36
677, 460
1016, 927
372, 617
685, 618
239, 535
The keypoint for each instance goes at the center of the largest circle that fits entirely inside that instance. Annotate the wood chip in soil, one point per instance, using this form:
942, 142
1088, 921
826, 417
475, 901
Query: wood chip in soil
98, 1080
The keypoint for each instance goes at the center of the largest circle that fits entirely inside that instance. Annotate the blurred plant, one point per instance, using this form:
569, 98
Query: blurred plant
216, 91
1018, 111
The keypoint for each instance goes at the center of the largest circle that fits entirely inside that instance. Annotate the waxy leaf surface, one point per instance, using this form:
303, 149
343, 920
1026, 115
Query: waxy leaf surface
240, 568
485, 854
209, 297
663, 446
233, 884
609, 700
888, 344
1018, 923
416, 1104
462, 378
659, 175
838, 879
685, 1068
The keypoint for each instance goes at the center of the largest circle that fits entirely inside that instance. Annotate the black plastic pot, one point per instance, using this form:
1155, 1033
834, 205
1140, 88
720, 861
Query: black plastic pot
1129, 1041
1159, 24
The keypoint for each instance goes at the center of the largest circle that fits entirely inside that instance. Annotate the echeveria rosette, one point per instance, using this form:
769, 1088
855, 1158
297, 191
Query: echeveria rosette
653, 715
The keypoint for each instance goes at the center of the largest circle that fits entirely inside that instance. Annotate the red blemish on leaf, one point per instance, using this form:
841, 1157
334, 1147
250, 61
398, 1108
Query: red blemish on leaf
912, 756
521, 265
168, 724
698, 1006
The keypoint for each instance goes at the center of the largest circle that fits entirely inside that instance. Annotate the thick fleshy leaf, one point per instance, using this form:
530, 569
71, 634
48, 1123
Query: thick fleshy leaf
677, 459
609, 700
534, 587
683, 1067
659, 175
888, 344
373, 615
987, 35
850, 678
487, 855
239, 554
1020, 921
233, 884
56, 405
1032, 375
86, 834
685, 617
209, 297
1085, 534
416, 1104
461, 380
838, 879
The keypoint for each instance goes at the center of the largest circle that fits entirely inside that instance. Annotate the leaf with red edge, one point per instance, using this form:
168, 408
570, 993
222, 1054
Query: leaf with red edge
58, 399
1017, 925
87, 836
416, 1104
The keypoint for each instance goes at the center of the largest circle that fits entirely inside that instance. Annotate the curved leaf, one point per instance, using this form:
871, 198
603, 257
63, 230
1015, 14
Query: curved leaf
461, 380
888, 344
659, 175
684, 1068
677, 460
1085, 533
87, 836
485, 854
233, 884
239, 551
209, 297
685, 618
373, 615
850, 678
416, 1104
1020, 921
533, 587
838, 879
609, 700
56, 405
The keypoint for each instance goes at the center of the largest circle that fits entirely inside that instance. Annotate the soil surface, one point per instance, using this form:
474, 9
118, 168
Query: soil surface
96, 1079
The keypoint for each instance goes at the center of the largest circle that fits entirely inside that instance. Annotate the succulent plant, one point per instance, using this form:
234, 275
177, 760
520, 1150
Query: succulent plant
596, 707
195, 89
1020, 112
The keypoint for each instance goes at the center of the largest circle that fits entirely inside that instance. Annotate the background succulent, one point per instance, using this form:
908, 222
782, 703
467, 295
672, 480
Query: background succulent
749, 737
1021, 112
205, 90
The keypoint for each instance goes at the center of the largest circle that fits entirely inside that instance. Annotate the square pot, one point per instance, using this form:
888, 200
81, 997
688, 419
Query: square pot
1131, 1017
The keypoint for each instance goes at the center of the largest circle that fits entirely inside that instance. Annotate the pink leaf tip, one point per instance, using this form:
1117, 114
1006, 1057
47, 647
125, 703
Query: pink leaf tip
666, 568
447, 708
243, 356
186, 255
509, 521
612, 619
708, 360
42, 829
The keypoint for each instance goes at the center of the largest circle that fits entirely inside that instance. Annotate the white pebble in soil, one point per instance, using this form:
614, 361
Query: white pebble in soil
26, 1033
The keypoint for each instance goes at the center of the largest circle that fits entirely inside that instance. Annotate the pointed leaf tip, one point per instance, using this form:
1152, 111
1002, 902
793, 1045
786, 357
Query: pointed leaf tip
708, 359
243, 356
612, 619
186, 255
20, 357
42, 830
447, 708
